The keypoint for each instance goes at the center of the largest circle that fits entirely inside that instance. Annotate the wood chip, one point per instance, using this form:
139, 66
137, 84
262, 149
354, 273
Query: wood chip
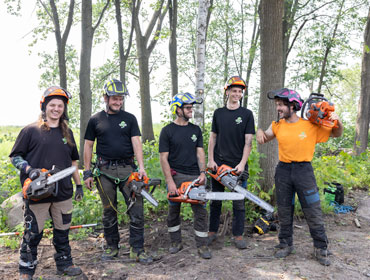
357, 223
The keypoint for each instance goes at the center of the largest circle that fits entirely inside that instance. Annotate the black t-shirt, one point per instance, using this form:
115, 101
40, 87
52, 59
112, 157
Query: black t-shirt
44, 148
181, 142
231, 127
113, 133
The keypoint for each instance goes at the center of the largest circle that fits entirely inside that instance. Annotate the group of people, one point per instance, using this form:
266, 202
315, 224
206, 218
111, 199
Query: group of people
50, 142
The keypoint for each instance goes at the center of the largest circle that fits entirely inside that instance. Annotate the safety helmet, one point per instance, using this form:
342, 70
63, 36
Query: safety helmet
54, 91
234, 81
183, 98
288, 94
115, 87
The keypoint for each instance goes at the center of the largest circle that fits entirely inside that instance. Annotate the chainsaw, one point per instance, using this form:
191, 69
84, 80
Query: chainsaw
46, 184
227, 176
317, 109
192, 192
142, 186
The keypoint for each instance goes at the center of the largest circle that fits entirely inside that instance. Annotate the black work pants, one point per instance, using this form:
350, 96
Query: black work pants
108, 194
238, 211
200, 215
298, 177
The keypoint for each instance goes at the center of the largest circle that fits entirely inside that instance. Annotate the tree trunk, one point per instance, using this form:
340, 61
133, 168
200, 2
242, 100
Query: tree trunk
172, 46
144, 50
201, 59
271, 14
87, 35
123, 55
61, 39
363, 115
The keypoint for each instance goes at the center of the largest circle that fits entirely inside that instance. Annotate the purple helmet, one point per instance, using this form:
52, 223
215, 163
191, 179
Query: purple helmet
288, 94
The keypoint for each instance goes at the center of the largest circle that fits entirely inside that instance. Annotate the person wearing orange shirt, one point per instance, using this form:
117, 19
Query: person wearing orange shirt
297, 138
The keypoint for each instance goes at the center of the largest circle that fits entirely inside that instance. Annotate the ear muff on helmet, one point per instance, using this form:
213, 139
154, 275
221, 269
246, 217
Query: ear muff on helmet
289, 95
57, 92
183, 98
234, 81
115, 87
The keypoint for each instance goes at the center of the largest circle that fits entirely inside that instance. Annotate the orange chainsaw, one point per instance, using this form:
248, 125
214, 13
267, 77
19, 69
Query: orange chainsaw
46, 184
317, 109
227, 176
142, 186
192, 192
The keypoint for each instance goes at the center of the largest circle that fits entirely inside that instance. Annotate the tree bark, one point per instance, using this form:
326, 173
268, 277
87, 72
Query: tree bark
143, 51
87, 35
271, 14
172, 46
201, 59
363, 115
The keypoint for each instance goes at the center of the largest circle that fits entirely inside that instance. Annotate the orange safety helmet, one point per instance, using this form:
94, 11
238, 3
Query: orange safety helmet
234, 81
54, 91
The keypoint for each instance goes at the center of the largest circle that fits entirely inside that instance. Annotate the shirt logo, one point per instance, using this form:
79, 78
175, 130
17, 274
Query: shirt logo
302, 135
238, 120
194, 138
64, 140
122, 124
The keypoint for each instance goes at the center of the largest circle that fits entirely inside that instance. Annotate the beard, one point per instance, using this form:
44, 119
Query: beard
115, 111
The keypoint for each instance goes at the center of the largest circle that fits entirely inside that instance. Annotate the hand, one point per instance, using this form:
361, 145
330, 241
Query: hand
89, 183
212, 165
33, 173
333, 116
142, 173
202, 179
239, 168
260, 136
172, 189
79, 193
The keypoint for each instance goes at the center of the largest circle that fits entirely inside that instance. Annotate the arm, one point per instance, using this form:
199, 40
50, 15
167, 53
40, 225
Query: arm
211, 147
336, 132
202, 165
89, 182
163, 158
76, 174
138, 150
246, 152
265, 136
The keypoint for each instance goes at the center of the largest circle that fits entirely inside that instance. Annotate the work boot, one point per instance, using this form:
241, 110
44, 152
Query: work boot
110, 253
140, 256
322, 256
240, 243
211, 238
175, 247
24, 276
204, 252
283, 251
71, 270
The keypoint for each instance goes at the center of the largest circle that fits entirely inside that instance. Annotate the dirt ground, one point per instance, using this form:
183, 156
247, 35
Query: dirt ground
350, 245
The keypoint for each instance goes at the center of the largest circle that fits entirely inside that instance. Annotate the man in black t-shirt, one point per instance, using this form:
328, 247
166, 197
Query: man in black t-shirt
182, 160
118, 141
230, 143
40, 145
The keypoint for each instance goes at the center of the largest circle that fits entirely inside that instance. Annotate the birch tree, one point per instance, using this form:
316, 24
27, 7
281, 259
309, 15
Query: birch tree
201, 58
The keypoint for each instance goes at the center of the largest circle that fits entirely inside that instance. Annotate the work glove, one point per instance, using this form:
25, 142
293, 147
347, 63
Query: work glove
243, 176
33, 173
79, 193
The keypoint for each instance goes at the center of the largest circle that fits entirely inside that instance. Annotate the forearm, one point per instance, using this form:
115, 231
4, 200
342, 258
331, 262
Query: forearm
138, 151
211, 146
201, 159
76, 174
247, 149
87, 156
166, 169
337, 132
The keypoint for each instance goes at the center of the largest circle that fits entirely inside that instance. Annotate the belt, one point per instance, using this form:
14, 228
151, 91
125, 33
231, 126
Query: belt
115, 162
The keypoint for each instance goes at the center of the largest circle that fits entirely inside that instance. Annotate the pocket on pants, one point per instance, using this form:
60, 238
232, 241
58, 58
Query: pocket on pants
66, 218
